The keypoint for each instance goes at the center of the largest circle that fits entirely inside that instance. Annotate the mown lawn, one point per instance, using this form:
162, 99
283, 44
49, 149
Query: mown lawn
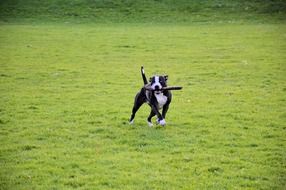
67, 92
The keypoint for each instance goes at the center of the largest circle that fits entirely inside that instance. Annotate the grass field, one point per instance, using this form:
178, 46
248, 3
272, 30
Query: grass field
67, 90
67, 93
138, 11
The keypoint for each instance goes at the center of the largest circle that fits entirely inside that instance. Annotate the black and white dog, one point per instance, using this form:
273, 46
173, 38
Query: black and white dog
156, 97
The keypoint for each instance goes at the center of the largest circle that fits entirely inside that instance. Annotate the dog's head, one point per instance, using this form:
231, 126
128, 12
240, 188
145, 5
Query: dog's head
158, 82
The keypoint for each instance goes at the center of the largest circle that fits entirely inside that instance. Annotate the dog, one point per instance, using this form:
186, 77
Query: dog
155, 96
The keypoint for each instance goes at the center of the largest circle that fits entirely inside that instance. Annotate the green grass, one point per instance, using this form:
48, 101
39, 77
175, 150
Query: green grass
69, 71
147, 11
67, 92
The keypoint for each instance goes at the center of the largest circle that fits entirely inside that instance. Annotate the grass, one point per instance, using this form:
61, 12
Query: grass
147, 11
69, 71
67, 93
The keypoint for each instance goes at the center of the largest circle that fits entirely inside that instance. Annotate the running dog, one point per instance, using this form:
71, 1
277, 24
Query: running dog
155, 95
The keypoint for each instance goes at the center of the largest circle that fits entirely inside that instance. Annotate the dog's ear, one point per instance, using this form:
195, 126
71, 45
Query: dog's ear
166, 77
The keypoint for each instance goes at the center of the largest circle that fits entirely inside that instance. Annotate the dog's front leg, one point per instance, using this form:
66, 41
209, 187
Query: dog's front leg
165, 109
161, 119
166, 106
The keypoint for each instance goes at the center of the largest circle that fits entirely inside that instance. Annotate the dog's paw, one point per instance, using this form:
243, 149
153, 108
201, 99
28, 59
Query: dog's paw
150, 124
131, 122
162, 122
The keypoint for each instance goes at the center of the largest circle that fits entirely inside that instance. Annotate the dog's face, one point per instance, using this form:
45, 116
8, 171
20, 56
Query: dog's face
157, 82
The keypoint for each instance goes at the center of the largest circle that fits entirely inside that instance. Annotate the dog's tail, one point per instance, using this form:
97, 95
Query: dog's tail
143, 76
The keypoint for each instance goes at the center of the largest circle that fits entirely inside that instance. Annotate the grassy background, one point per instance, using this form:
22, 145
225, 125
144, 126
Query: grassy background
166, 11
67, 91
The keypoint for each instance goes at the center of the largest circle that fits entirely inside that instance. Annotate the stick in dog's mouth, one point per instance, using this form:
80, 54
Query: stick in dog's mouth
148, 87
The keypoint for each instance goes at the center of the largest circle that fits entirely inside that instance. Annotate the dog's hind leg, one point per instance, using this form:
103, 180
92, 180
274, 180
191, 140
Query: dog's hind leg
165, 109
134, 110
137, 104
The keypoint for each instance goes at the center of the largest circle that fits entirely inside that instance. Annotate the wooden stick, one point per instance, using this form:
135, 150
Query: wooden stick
148, 87
173, 88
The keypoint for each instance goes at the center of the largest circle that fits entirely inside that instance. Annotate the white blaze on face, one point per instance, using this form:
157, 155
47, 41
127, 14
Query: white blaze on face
156, 83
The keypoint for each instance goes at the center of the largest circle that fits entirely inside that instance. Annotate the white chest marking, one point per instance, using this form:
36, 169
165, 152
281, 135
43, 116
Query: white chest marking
161, 99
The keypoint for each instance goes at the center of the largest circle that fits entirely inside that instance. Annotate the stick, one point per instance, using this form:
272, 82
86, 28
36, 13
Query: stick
148, 87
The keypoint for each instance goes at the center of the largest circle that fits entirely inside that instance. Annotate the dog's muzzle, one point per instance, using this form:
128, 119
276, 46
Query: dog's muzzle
157, 89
